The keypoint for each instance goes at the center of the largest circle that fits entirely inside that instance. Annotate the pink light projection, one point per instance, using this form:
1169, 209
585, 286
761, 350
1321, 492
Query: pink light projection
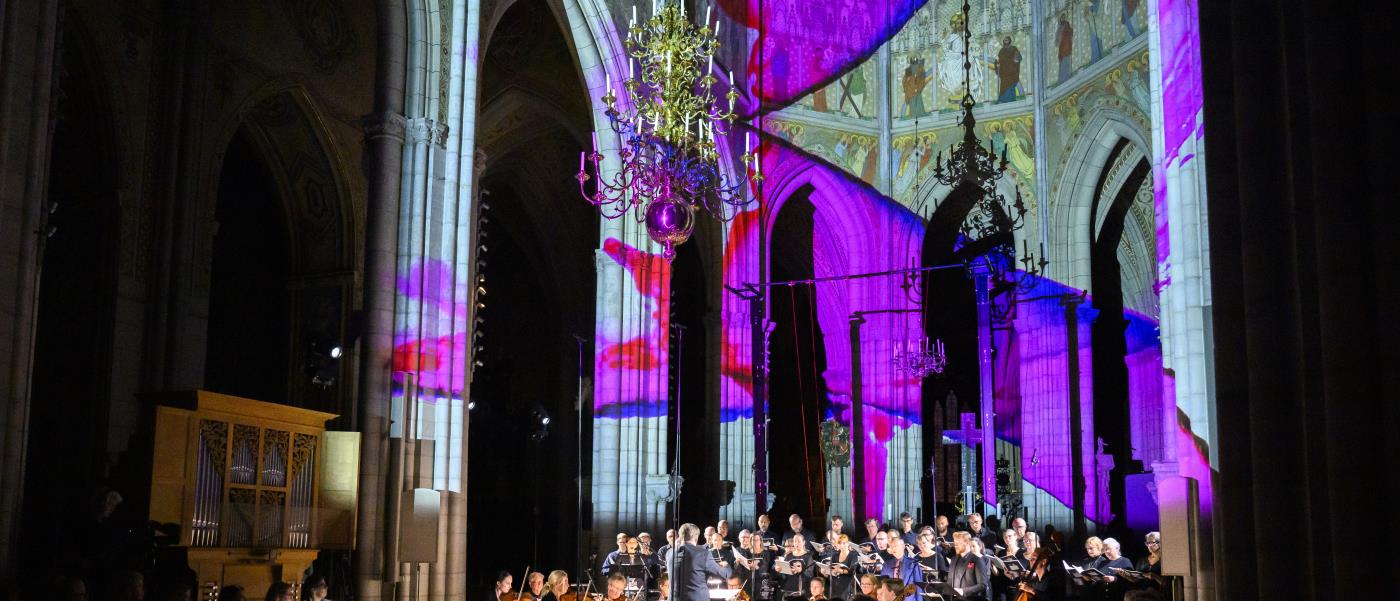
435, 345
800, 45
632, 348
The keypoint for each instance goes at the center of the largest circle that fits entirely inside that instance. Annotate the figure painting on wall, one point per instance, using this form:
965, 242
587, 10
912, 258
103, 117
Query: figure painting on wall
1064, 38
1129, 11
819, 59
1008, 68
915, 79
852, 85
1091, 16
950, 67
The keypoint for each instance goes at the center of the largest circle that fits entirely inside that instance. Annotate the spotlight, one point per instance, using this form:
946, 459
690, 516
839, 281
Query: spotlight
478, 334
545, 420
471, 405
50, 231
477, 363
481, 279
480, 305
335, 352
481, 290
480, 320
481, 248
485, 206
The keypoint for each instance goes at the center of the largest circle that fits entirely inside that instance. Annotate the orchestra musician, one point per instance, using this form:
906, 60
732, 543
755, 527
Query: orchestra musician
1031, 548
869, 585
840, 569
1037, 583
967, 577
557, 586
801, 568
535, 584
617, 588
816, 589
502, 590
663, 587
1018, 524
644, 548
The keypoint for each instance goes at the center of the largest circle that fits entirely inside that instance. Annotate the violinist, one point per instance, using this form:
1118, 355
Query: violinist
900, 566
869, 585
816, 589
535, 583
617, 588
663, 587
840, 568
502, 591
557, 587
1037, 581
799, 566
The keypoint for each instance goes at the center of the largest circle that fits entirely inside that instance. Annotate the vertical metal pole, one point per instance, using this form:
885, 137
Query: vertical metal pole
758, 323
857, 427
981, 276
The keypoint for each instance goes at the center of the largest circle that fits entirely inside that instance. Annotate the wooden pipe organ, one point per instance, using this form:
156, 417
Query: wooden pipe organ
257, 488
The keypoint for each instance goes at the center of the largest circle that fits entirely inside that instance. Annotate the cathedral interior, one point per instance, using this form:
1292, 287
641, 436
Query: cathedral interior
313, 288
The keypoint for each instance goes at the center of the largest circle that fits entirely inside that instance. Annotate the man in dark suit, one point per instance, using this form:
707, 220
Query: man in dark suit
967, 579
690, 566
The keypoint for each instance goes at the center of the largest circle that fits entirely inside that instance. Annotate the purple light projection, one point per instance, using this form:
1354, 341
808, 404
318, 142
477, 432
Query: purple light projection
1182, 131
800, 45
631, 372
849, 214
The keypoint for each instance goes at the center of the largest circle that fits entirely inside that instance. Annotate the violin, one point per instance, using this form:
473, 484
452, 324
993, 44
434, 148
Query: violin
909, 590
742, 596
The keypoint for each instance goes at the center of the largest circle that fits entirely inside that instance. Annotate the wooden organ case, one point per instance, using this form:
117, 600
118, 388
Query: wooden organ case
257, 488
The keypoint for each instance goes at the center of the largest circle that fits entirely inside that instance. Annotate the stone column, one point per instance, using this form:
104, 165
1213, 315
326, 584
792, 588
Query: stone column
28, 44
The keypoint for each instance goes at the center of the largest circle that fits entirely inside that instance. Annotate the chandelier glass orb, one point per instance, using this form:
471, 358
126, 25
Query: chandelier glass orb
668, 127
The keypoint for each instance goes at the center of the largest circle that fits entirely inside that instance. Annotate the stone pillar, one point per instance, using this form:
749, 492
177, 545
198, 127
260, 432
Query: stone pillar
28, 44
384, 138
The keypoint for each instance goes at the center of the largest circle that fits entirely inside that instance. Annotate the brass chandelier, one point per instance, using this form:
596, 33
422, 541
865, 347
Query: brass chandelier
668, 128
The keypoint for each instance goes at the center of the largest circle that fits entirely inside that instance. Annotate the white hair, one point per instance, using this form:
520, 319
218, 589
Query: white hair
1109, 542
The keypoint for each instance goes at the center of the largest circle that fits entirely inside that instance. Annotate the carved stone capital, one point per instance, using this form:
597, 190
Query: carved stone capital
427, 131
384, 125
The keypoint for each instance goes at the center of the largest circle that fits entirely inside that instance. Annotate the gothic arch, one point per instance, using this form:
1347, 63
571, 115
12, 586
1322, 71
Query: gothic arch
1070, 218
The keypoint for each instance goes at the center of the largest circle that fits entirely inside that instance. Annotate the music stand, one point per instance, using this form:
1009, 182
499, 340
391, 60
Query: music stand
637, 575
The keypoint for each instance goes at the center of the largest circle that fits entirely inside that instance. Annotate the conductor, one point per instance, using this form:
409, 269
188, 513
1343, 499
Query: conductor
690, 565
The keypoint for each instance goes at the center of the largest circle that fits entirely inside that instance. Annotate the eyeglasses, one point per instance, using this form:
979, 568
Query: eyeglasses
1153, 542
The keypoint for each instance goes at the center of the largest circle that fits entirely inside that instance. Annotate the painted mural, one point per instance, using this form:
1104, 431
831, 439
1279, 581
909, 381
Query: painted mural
926, 58
1082, 32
